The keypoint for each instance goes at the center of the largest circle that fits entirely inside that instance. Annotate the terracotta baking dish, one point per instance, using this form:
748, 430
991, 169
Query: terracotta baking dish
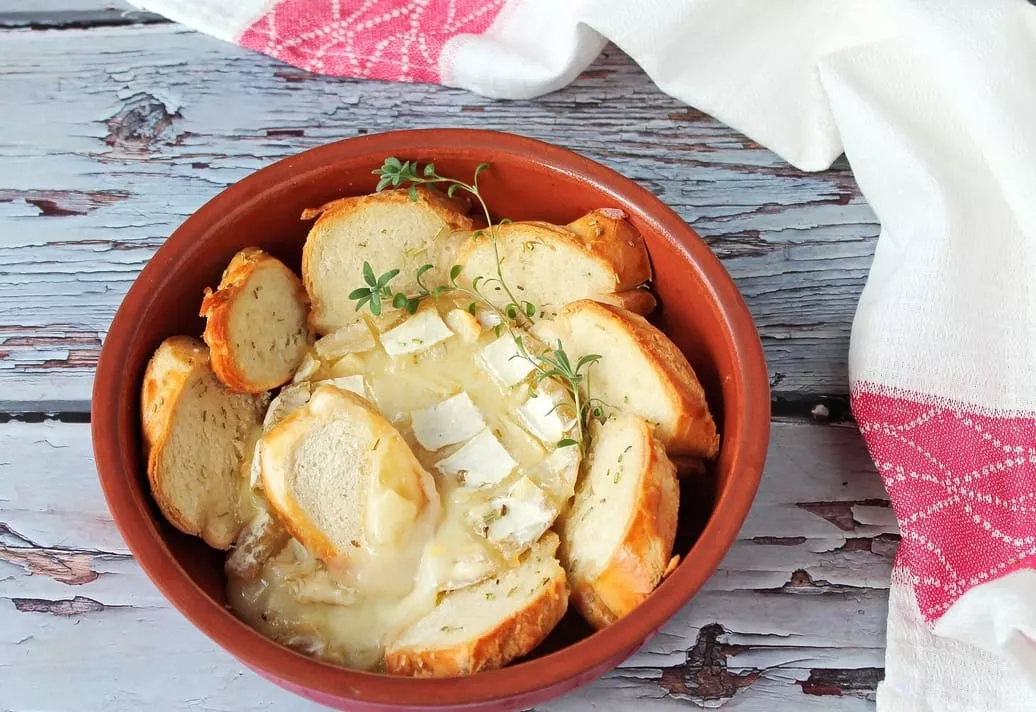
701, 311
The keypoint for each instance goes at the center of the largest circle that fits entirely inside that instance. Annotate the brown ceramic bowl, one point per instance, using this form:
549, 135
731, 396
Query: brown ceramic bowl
701, 311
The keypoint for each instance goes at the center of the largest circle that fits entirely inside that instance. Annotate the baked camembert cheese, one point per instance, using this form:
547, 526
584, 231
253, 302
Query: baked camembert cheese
460, 450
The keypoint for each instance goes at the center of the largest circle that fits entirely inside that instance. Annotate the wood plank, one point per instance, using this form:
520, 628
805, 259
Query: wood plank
793, 619
58, 14
113, 136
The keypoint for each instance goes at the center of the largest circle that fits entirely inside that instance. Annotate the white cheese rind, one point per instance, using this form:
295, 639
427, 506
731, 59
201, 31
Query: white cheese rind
421, 331
559, 471
451, 421
522, 516
353, 384
545, 418
481, 461
505, 362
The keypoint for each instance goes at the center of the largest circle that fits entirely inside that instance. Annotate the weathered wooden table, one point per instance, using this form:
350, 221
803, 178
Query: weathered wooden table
114, 128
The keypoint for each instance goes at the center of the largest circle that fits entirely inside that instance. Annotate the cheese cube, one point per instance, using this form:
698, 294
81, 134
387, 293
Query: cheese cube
354, 384
505, 362
481, 461
453, 420
525, 513
547, 416
421, 331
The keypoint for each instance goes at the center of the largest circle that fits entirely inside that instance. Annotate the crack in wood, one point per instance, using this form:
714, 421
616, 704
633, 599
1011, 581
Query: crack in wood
285, 132
840, 513
77, 19
804, 405
859, 682
62, 203
705, 677
73, 567
70, 567
143, 122
80, 605
779, 540
884, 545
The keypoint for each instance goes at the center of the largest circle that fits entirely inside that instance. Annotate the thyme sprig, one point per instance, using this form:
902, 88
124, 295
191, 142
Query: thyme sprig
553, 364
396, 174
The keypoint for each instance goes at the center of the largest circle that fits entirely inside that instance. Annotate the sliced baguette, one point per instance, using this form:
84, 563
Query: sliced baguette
195, 434
596, 257
387, 229
486, 626
642, 372
341, 478
255, 323
617, 538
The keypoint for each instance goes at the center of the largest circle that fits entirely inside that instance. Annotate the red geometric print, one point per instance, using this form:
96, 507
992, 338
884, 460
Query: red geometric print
392, 39
963, 486
397, 40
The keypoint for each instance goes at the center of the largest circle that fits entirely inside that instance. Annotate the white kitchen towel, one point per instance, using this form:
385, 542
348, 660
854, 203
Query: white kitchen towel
934, 104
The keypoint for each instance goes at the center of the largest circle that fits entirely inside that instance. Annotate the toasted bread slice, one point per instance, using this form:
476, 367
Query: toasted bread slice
641, 371
195, 435
387, 229
595, 257
617, 538
341, 478
255, 322
488, 625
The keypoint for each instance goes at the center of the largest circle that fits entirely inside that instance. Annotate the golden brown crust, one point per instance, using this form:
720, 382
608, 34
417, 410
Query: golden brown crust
166, 374
606, 234
639, 301
177, 363
283, 501
692, 431
603, 237
452, 212
285, 506
644, 552
513, 637
217, 308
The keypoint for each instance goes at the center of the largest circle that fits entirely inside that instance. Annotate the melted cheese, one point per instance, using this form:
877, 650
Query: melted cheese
455, 402
481, 461
449, 422
419, 333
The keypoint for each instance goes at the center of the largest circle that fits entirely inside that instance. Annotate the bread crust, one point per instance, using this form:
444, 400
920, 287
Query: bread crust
606, 234
217, 306
513, 637
644, 552
166, 374
171, 367
451, 211
277, 443
612, 243
639, 301
691, 430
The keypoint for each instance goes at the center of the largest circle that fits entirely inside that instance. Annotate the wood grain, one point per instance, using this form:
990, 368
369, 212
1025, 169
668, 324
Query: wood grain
65, 14
787, 622
113, 136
